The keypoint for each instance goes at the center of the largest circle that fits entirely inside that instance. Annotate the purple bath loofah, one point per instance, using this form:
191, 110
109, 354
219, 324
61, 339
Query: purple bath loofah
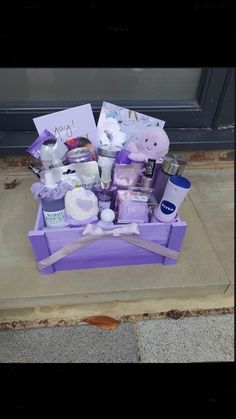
40, 191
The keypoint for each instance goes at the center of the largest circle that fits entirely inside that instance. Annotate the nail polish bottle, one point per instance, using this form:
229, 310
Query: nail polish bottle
147, 179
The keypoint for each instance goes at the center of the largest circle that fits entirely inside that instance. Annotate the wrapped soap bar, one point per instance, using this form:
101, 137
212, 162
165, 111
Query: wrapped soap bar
133, 194
133, 212
140, 193
126, 175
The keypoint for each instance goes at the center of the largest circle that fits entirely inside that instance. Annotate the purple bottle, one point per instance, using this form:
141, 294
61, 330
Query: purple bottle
106, 193
172, 165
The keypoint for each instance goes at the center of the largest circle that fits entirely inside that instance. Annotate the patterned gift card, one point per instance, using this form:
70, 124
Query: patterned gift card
118, 126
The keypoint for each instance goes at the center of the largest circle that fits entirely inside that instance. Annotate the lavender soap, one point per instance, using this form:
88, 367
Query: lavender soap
133, 212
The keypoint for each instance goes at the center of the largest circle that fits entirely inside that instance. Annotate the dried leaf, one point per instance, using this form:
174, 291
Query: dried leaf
136, 116
11, 185
130, 113
174, 314
104, 322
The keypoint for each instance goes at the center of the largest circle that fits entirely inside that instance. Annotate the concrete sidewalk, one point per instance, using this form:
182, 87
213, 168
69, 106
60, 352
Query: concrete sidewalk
204, 271
202, 279
188, 339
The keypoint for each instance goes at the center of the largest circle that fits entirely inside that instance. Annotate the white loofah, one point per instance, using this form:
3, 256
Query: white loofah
81, 204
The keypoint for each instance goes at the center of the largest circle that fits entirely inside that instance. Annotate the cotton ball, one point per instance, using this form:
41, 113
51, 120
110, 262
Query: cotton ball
107, 215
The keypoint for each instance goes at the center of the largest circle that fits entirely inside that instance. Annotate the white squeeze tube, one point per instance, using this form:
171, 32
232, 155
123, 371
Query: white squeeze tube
176, 190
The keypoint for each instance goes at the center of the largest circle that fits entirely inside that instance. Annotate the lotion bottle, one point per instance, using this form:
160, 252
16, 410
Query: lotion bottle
53, 209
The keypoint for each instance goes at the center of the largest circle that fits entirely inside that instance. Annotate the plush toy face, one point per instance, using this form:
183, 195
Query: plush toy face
149, 146
153, 142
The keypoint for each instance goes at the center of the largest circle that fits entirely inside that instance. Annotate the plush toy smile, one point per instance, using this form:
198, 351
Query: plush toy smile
151, 143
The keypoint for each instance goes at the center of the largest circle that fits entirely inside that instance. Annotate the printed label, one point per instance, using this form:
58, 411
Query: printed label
167, 207
55, 218
136, 196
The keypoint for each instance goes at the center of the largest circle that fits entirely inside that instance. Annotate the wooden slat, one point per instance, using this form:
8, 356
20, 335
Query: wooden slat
176, 238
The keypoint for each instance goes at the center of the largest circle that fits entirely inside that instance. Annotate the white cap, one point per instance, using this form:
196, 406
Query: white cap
49, 181
107, 215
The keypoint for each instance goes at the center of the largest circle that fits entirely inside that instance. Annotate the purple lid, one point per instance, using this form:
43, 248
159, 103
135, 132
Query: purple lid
122, 157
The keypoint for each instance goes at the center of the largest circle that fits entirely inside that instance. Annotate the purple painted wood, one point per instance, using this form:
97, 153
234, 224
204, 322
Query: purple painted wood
106, 252
40, 248
39, 223
176, 238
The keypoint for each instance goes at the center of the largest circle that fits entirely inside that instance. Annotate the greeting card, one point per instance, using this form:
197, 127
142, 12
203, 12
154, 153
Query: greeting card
73, 122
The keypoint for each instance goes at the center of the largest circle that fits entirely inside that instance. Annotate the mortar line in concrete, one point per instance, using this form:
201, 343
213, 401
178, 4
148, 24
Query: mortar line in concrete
213, 246
138, 348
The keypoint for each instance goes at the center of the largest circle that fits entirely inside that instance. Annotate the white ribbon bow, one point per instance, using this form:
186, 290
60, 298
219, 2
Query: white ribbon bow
94, 230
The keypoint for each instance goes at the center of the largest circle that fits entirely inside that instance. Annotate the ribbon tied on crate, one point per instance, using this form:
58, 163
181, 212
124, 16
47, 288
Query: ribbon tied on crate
94, 230
92, 233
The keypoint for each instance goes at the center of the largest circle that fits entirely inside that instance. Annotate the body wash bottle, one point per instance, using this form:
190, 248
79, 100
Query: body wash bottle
53, 209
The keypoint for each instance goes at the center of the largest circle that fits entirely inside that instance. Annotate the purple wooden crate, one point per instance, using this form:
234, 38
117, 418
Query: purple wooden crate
106, 252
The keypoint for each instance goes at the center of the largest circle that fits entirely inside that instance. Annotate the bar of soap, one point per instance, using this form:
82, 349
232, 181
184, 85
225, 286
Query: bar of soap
133, 212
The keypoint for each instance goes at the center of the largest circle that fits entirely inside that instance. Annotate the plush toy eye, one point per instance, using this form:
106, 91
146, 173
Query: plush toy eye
155, 144
146, 140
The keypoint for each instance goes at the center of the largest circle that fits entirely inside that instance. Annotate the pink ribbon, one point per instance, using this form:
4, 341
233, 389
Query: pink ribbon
91, 233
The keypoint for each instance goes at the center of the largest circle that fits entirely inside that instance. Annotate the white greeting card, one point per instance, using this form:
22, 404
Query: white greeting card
72, 122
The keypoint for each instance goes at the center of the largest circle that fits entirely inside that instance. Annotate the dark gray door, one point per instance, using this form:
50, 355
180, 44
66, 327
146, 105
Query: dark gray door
196, 103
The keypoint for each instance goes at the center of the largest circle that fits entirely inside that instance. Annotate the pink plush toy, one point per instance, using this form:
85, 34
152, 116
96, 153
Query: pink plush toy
151, 143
